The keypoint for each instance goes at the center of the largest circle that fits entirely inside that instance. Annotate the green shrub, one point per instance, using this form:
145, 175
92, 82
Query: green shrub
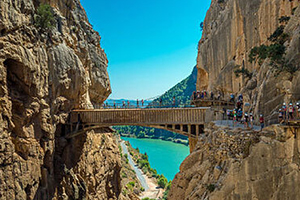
260, 53
242, 71
142, 189
132, 183
162, 181
211, 187
284, 19
44, 19
277, 33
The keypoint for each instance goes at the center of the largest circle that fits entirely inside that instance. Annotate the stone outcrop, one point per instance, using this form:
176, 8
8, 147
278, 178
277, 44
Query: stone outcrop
231, 29
236, 164
43, 75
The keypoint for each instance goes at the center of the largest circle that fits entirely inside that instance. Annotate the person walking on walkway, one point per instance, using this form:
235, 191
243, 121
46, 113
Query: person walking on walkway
251, 120
160, 102
298, 110
137, 103
142, 102
291, 111
246, 120
128, 104
261, 121
174, 101
284, 111
280, 116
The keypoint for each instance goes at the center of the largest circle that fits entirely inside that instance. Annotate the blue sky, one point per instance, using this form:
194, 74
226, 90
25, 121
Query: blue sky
151, 45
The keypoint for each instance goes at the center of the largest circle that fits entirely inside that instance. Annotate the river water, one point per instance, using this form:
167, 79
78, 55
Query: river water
164, 156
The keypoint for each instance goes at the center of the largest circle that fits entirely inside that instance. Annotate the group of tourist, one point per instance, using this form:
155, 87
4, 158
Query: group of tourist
238, 115
289, 112
206, 95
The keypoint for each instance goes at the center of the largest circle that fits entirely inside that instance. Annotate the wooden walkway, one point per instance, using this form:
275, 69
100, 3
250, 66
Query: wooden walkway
185, 121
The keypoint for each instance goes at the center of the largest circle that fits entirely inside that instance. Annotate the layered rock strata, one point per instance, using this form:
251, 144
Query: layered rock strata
231, 29
43, 75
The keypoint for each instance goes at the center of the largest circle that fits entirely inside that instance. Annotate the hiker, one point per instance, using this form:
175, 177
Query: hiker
219, 96
137, 103
240, 97
238, 104
123, 104
280, 116
212, 96
234, 117
142, 102
198, 94
240, 114
251, 120
246, 120
194, 95
202, 95
128, 104
298, 110
114, 105
261, 121
291, 111
160, 102
228, 114
174, 101
284, 108
232, 98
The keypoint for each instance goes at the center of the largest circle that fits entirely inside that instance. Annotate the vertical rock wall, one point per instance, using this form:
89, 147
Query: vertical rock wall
42, 77
231, 29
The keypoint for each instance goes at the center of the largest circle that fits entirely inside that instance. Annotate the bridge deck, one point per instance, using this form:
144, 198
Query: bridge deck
186, 121
153, 116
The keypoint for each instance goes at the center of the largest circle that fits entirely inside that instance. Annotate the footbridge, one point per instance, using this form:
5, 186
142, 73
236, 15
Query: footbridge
186, 121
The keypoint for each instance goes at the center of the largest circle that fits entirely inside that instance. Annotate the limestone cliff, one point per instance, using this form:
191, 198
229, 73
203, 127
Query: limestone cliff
43, 75
235, 164
231, 29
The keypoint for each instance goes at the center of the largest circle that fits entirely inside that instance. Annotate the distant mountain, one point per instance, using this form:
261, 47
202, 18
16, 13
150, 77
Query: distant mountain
182, 91
119, 102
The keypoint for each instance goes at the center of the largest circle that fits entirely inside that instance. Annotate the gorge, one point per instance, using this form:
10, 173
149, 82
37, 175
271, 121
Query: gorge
46, 74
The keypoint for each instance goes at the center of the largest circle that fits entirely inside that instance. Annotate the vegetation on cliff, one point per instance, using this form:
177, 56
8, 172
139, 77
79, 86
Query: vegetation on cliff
275, 51
44, 19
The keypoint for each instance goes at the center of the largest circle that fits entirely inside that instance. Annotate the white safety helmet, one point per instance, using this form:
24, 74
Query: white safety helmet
261, 115
297, 103
284, 104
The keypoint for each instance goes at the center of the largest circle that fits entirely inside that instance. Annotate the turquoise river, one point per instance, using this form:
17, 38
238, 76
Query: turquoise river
163, 156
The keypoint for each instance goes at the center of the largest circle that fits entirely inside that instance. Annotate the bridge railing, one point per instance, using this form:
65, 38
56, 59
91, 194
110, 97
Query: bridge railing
140, 116
132, 106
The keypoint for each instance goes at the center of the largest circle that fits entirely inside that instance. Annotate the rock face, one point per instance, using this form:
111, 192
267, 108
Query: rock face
239, 164
231, 29
43, 75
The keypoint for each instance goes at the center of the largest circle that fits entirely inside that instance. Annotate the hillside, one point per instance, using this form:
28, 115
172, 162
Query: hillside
182, 91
